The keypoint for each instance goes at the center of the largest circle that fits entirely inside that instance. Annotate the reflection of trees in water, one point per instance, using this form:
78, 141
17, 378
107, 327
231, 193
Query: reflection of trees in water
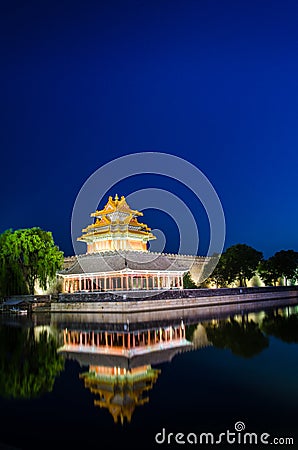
28, 365
243, 338
281, 327
189, 332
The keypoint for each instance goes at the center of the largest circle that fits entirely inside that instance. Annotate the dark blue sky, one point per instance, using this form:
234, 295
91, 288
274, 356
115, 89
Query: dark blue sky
214, 82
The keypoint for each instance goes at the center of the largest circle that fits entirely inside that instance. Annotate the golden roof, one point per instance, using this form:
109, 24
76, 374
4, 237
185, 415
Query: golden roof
114, 205
116, 217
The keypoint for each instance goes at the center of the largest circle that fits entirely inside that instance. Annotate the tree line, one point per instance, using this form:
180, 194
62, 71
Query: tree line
30, 256
240, 263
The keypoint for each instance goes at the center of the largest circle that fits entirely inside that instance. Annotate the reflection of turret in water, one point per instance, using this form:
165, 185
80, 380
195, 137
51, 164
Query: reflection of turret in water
120, 362
131, 345
120, 390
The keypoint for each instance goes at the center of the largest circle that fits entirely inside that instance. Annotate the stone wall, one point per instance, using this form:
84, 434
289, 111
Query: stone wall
187, 298
140, 296
195, 264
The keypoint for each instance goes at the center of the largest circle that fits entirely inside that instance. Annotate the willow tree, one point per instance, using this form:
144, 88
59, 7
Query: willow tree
27, 256
11, 277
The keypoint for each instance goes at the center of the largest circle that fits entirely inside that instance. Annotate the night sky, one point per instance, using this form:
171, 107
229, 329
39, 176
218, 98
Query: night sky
213, 82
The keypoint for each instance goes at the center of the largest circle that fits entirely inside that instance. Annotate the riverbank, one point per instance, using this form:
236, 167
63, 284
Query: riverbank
112, 302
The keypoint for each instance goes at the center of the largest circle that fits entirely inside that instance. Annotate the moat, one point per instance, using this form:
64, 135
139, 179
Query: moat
71, 379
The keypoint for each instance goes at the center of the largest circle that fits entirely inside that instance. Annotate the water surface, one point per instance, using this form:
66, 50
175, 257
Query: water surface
70, 380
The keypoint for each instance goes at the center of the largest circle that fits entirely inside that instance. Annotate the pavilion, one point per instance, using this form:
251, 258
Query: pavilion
117, 257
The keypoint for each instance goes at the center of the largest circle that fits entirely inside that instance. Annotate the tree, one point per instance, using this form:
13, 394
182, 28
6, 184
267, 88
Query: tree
282, 264
241, 262
27, 256
218, 268
188, 282
268, 272
11, 277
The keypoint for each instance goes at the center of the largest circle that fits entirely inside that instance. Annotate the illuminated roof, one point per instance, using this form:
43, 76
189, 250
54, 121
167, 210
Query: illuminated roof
125, 260
114, 205
116, 220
